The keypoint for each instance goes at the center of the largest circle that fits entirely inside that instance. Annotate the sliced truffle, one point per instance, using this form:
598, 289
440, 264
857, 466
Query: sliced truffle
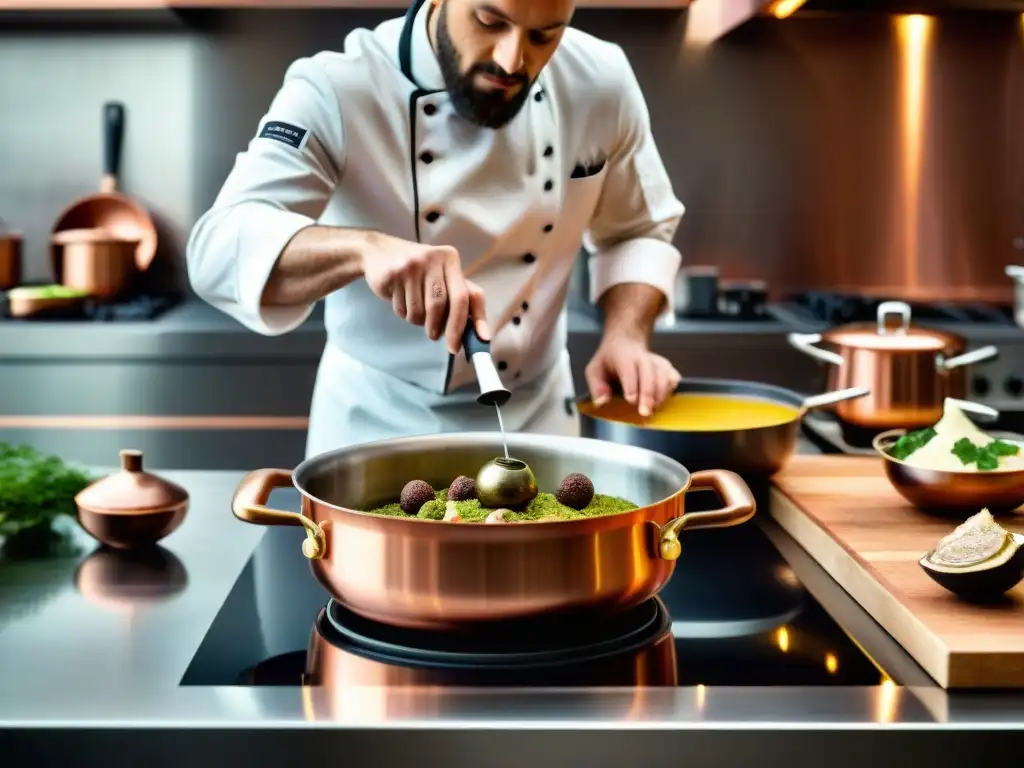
462, 489
576, 491
415, 494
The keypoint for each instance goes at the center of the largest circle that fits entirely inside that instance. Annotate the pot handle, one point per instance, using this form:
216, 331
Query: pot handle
805, 343
887, 308
1016, 272
248, 505
731, 489
969, 358
830, 398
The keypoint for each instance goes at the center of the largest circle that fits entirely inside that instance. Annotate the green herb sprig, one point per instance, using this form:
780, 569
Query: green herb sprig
35, 489
910, 442
985, 457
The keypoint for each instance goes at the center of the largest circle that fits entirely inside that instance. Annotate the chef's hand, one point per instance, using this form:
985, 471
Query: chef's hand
646, 379
425, 286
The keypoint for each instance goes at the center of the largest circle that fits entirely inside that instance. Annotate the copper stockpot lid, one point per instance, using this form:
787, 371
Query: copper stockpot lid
132, 490
885, 337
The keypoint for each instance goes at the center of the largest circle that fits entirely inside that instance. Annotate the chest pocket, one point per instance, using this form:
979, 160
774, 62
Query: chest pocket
582, 193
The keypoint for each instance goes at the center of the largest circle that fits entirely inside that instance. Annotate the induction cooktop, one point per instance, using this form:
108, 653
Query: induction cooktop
733, 614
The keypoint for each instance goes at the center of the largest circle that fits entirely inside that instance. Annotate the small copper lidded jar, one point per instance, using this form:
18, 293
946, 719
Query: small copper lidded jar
131, 509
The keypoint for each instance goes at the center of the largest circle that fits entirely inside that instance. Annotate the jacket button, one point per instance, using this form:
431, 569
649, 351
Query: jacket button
549, 185
549, 151
526, 305
429, 109
516, 320
538, 96
529, 258
502, 365
548, 227
427, 158
433, 216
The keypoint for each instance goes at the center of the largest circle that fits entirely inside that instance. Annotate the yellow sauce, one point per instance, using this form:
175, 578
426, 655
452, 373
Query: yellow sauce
692, 412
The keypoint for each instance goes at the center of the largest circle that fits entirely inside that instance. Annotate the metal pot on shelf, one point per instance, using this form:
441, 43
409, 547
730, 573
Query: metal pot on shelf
439, 575
909, 370
1017, 273
10, 257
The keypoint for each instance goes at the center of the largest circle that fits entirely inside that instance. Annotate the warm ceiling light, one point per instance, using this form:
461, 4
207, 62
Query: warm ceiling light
780, 9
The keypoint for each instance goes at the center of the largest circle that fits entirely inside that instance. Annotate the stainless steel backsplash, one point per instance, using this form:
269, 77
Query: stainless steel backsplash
854, 150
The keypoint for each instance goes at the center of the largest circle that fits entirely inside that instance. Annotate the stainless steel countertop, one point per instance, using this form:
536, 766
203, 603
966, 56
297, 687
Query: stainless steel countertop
66, 660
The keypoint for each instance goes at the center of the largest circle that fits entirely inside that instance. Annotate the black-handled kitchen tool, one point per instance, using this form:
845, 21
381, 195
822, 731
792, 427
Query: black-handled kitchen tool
478, 352
113, 137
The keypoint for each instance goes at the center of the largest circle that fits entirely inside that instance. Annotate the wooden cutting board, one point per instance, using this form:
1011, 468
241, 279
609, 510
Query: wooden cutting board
844, 512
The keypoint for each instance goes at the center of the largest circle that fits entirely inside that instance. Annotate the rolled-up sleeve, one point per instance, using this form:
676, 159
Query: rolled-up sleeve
278, 186
630, 235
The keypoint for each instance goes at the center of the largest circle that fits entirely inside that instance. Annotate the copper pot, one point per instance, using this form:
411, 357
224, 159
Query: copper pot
96, 261
909, 370
444, 575
10, 259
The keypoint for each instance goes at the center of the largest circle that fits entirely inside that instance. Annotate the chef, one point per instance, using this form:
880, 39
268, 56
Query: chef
446, 167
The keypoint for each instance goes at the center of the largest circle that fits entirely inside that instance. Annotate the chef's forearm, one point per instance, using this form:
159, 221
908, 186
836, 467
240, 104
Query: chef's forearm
316, 262
630, 310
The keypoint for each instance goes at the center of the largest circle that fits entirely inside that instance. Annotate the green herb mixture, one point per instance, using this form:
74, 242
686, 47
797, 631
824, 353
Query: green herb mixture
35, 489
544, 505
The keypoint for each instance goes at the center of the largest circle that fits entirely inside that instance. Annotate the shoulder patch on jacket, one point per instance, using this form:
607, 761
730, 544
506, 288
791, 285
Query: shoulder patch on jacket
286, 133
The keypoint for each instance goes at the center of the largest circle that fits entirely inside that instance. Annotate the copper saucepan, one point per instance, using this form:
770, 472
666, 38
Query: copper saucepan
443, 575
10, 257
909, 370
110, 210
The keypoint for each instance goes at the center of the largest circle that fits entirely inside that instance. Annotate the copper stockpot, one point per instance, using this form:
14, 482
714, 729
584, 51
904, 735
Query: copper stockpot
442, 575
909, 370
10, 258
96, 261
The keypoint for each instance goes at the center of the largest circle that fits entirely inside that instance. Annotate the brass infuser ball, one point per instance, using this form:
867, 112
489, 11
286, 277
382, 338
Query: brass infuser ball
505, 482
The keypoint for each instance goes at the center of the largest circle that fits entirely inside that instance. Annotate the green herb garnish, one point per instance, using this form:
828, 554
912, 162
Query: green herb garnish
910, 442
986, 457
35, 489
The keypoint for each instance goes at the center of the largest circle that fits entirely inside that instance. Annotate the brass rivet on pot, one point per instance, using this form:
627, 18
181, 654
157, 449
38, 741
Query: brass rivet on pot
670, 548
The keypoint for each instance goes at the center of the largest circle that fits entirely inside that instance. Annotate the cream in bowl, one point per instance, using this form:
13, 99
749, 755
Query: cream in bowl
953, 464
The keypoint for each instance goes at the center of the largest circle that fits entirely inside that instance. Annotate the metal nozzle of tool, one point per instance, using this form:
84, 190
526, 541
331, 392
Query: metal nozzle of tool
478, 352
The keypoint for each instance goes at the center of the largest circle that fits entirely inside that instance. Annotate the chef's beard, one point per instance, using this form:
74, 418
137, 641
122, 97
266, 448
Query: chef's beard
490, 109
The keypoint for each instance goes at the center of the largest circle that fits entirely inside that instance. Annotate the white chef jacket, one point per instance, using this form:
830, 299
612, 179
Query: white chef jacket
367, 138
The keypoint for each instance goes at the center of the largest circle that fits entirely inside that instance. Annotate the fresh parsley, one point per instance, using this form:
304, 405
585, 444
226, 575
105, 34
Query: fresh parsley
910, 442
985, 457
35, 489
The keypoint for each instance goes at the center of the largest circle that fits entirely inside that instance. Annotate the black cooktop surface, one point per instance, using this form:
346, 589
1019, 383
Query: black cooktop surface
734, 613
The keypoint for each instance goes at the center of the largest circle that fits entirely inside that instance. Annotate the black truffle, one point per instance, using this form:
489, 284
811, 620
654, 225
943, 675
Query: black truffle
462, 489
576, 491
415, 494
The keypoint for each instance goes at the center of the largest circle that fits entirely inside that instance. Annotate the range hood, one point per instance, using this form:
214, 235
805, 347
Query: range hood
708, 20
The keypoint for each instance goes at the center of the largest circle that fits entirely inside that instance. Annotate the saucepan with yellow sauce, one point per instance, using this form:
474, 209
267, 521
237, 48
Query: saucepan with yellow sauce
953, 465
744, 426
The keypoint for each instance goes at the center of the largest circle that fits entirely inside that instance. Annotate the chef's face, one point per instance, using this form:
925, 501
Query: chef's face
491, 51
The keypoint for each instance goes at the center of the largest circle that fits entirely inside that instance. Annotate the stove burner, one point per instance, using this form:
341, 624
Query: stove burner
841, 308
519, 644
